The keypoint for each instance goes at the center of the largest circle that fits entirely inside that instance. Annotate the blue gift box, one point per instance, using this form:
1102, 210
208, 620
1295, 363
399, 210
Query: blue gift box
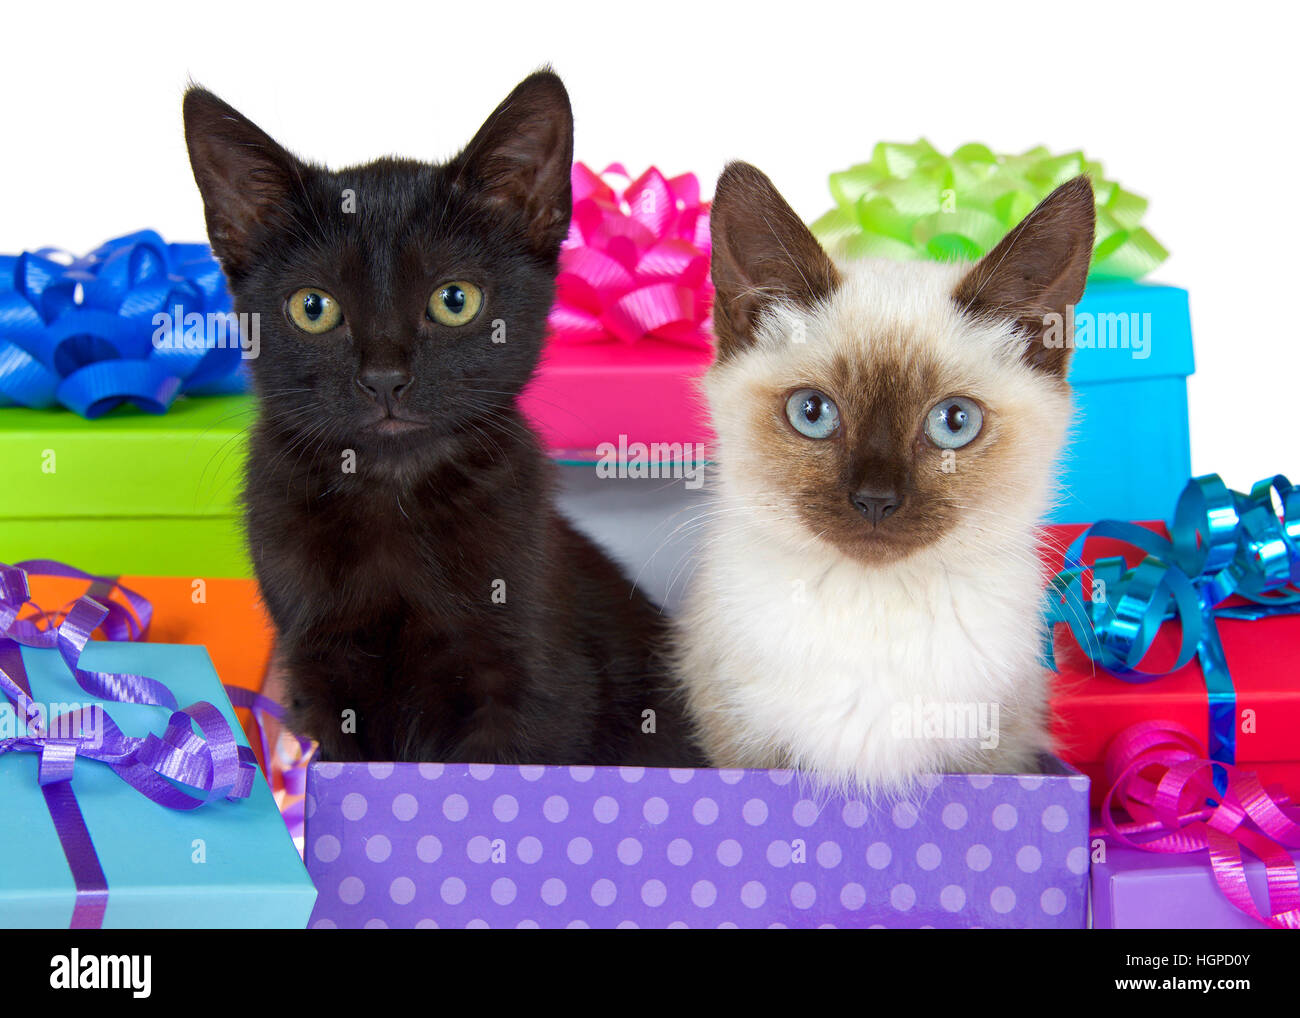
225, 865
1129, 453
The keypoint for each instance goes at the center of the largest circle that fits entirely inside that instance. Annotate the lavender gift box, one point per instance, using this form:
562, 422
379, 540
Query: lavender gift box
465, 845
1137, 890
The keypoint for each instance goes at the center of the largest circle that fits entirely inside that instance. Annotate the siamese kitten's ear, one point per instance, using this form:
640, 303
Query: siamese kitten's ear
246, 179
522, 159
762, 253
1037, 271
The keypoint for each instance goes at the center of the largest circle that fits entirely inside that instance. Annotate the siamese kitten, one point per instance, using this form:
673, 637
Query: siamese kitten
429, 601
868, 603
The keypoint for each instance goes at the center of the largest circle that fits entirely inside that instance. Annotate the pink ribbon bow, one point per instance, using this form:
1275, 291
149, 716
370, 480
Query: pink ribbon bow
636, 261
1160, 775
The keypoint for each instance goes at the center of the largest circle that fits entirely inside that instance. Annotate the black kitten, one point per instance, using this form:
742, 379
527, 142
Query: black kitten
430, 602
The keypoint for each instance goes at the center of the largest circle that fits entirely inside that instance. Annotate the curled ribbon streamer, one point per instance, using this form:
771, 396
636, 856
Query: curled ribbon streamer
1222, 544
1158, 773
209, 762
636, 261
912, 202
285, 770
80, 331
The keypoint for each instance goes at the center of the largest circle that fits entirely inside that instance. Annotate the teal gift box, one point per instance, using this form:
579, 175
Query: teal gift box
225, 865
1129, 452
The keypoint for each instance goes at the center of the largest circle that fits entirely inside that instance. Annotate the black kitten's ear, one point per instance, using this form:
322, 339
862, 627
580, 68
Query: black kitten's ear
522, 159
1037, 271
762, 252
246, 179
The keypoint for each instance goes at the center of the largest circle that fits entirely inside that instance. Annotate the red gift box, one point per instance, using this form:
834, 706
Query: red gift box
1090, 706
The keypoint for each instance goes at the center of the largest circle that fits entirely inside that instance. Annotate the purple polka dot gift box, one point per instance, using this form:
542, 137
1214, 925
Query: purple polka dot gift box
457, 845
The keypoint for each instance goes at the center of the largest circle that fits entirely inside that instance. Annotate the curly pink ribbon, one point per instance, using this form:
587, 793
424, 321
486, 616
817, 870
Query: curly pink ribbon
636, 261
1159, 774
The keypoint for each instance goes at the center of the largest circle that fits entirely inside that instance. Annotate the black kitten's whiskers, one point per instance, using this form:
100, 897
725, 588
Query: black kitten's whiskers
429, 601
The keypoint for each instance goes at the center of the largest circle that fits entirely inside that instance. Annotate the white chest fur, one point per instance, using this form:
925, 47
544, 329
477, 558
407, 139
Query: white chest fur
865, 676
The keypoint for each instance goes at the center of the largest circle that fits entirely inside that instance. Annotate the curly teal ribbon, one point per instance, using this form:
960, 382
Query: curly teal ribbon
912, 202
1221, 544
79, 331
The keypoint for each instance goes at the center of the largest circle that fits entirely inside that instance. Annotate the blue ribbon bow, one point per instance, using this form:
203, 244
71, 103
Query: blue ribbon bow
80, 331
1221, 544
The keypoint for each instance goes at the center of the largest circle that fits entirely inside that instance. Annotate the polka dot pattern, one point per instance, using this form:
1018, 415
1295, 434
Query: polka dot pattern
454, 846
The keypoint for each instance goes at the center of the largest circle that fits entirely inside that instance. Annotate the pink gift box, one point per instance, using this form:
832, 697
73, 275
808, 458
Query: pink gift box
587, 395
630, 332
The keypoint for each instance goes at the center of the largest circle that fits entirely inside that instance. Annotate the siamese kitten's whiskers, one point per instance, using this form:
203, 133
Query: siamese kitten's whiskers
908, 438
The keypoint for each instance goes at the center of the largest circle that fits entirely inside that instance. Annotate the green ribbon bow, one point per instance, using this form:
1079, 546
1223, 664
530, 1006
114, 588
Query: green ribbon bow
912, 202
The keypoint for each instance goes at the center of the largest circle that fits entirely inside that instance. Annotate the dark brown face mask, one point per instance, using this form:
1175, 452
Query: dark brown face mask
866, 451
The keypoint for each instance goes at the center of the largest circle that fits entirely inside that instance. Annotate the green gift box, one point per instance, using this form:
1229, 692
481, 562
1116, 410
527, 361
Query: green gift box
128, 493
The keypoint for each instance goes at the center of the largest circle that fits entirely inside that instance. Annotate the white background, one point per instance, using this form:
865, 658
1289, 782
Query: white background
1193, 106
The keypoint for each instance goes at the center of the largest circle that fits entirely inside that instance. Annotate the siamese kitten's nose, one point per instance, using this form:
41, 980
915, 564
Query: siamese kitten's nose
384, 385
876, 503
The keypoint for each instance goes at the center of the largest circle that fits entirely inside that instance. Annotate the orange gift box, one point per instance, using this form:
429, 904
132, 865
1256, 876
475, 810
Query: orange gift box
1090, 706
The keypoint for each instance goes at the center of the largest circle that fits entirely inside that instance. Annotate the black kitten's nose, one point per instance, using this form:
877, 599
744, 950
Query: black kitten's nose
384, 385
876, 503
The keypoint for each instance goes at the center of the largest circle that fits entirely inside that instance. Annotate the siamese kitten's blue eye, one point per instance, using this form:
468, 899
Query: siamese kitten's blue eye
812, 414
455, 303
954, 422
314, 311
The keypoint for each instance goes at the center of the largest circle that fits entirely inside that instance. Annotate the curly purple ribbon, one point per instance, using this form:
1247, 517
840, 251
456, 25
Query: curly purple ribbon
80, 331
123, 625
209, 761
295, 777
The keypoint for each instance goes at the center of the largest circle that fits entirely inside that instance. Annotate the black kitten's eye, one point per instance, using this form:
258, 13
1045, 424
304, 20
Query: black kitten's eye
812, 414
314, 311
455, 303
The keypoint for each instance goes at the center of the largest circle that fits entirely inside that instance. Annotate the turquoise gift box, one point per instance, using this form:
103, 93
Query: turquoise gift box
1129, 452
224, 865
